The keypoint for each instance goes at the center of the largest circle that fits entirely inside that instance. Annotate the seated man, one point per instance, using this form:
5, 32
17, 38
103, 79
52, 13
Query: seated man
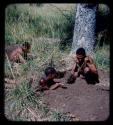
84, 67
18, 53
51, 79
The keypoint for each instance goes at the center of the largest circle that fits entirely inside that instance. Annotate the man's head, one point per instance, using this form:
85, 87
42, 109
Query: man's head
80, 54
26, 47
50, 72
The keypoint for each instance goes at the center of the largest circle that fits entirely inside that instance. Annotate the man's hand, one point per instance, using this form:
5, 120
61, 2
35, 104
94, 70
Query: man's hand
86, 70
22, 60
88, 60
73, 69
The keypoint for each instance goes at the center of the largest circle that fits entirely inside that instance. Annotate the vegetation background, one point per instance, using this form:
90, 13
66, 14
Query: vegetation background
49, 28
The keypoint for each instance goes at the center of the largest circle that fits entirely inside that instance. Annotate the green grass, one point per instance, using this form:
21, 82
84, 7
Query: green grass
22, 104
48, 30
24, 22
102, 57
20, 98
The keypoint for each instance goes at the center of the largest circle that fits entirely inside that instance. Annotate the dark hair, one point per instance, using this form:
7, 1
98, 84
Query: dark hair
50, 70
81, 51
27, 45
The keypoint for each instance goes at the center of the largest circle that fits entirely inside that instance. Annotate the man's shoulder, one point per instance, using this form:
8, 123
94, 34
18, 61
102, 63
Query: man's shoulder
12, 47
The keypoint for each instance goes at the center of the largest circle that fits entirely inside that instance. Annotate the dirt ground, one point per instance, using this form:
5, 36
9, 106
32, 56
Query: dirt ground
85, 101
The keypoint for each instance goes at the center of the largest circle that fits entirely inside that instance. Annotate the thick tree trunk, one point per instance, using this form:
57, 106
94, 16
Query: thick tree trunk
84, 30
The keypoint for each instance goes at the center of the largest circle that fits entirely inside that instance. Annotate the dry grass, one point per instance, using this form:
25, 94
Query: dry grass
44, 32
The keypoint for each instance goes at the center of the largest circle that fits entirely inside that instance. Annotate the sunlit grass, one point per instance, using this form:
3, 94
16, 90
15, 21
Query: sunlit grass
44, 27
102, 57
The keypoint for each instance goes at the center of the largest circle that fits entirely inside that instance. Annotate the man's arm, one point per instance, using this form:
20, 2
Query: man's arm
43, 84
92, 67
22, 60
90, 63
73, 68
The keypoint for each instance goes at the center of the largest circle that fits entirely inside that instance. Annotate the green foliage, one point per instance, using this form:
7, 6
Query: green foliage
102, 57
67, 38
12, 14
58, 116
22, 23
50, 31
103, 25
20, 98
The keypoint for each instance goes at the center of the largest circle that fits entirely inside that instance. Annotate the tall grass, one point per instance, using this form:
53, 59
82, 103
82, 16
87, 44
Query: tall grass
23, 104
24, 22
102, 57
19, 99
48, 29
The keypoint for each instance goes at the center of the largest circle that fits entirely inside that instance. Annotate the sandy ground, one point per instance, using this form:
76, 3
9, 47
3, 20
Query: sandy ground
85, 101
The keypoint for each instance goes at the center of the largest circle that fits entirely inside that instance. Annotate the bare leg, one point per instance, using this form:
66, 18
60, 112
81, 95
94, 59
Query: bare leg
90, 77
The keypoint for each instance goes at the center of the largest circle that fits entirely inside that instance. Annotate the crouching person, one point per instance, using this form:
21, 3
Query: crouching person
50, 81
84, 67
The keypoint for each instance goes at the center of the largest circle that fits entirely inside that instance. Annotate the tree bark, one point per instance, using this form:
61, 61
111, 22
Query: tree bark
84, 29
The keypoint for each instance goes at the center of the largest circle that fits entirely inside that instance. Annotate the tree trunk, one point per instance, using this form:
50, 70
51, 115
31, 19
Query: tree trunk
84, 30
